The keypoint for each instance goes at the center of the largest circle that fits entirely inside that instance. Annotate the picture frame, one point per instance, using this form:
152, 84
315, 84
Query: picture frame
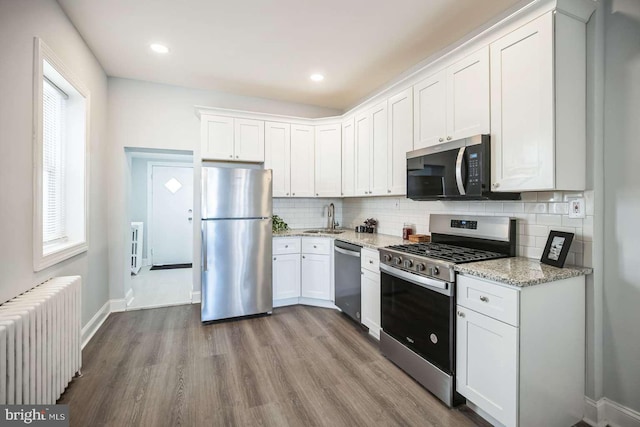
557, 248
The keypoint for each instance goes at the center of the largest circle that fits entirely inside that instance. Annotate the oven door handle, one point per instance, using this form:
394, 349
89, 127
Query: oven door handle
425, 282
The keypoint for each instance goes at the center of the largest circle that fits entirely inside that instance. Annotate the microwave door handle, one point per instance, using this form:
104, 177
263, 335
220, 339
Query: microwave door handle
459, 181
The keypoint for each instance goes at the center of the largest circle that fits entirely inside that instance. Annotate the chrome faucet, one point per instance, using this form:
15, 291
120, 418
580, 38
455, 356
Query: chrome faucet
331, 213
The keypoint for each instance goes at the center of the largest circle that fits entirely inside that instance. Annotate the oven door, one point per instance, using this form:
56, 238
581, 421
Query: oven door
418, 312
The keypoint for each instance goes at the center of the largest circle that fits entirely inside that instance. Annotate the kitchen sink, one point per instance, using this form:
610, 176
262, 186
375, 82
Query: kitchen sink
324, 231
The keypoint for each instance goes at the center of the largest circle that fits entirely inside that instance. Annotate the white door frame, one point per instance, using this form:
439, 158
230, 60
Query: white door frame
150, 166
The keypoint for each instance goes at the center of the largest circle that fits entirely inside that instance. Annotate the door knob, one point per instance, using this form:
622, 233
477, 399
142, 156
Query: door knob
448, 138
484, 299
440, 139
460, 314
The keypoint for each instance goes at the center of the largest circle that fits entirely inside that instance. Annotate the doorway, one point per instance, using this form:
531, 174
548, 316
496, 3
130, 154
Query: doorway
161, 214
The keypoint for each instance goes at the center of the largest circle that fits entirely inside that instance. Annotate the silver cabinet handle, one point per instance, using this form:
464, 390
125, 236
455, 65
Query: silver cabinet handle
231, 156
303, 256
293, 194
460, 314
315, 247
287, 194
440, 139
484, 299
286, 246
448, 138
388, 191
317, 194
362, 272
274, 258
237, 157
370, 261
342, 194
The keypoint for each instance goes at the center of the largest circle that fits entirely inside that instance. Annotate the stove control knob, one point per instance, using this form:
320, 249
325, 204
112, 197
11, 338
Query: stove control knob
387, 257
408, 263
434, 271
420, 266
397, 260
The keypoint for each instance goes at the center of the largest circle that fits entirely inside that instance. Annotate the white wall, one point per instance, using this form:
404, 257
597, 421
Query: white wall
150, 115
20, 21
622, 203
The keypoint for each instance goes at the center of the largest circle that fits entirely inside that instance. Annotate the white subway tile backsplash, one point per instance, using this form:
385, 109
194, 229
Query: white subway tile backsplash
545, 219
571, 222
306, 213
559, 208
513, 207
537, 208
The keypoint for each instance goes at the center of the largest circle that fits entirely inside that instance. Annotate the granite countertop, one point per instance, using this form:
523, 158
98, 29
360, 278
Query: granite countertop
368, 240
520, 272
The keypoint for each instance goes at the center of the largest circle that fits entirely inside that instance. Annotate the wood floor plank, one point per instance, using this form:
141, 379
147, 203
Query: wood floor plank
300, 366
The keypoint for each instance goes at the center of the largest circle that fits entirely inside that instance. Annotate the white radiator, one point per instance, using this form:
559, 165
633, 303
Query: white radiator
136, 246
40, 342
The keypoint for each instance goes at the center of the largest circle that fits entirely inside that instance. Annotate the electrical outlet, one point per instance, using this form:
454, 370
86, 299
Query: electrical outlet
576, 208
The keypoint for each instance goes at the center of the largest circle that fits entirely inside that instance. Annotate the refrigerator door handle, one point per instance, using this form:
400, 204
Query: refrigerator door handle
203, 244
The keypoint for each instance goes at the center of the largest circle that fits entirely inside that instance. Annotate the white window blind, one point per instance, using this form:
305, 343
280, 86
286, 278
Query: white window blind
53, 212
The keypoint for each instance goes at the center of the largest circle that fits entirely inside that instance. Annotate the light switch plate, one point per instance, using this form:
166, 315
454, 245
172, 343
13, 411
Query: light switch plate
576, 208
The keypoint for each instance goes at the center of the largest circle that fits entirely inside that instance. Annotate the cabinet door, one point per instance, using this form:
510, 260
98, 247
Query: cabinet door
328, 160
468, 96
217, 138
277, 156
363, 153
286, 276
522, 108
429, 111
379, 146
400, 140
249, 140
348, 158
487, 364
370, 284
316, 280
302, 164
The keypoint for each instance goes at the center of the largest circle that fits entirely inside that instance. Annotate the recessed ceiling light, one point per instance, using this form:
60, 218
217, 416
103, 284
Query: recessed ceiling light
159, 48
317, 77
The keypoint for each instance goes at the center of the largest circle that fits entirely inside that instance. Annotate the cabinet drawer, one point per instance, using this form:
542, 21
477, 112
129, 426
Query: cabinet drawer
286, 245
370, 260
315, 245
493, 300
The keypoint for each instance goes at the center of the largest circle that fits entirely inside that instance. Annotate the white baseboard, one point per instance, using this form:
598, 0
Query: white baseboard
118, 305
317, 303
129, 297
195, 297
145, 262
89, 330
285, 302
607, 412
483, 414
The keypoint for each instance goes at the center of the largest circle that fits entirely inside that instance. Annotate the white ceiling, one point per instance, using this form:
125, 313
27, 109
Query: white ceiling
269, 48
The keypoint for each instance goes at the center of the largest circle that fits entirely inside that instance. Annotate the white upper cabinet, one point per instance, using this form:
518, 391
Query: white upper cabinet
371, 151
400, 141
277, 156
363, 153
348, 158
230, 139
538, 103
468, 96
328, 160
302, 161
379, 136
217, 137
429, 109
453, 103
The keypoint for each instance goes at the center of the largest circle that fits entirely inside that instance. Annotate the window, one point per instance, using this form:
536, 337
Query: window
61, 113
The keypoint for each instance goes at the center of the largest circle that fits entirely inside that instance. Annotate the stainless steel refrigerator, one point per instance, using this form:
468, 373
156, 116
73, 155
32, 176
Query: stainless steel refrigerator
236, 242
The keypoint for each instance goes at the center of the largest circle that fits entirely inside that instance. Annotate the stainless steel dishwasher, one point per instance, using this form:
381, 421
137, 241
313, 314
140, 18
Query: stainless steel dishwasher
347, 278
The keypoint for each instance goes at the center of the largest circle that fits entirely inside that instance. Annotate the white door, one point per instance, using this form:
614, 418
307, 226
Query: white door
286, 276
429, 111
217, 138
348, 158
277, 156
249, 140
400, 140
363, 154
487, 364
370, 300
171, 228
522, 108
379, 147
328, 160
302, 161
468, 96
316, 279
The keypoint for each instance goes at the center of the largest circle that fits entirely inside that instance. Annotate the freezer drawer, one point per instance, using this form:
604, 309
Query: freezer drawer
236, 268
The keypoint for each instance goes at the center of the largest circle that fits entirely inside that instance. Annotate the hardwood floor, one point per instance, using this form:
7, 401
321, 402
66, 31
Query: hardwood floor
301, 366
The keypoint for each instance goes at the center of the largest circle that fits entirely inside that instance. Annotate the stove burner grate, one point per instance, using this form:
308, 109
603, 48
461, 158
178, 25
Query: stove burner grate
451, 253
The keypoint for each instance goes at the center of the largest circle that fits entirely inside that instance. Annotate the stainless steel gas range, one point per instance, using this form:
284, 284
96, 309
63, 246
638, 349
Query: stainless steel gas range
418, 295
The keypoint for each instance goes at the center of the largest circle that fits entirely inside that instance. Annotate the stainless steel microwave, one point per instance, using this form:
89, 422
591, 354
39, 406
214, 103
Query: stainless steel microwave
455, 170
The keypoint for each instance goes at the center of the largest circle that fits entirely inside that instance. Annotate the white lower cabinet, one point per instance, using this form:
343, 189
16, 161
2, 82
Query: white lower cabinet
286, 276
370, 290
520, 351
316, 276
